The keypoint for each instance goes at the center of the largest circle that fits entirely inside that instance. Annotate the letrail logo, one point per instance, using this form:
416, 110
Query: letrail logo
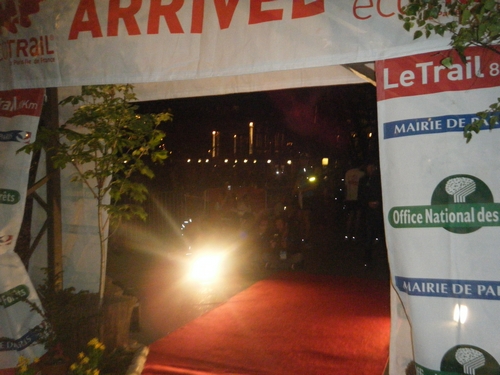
15, 13
459, 204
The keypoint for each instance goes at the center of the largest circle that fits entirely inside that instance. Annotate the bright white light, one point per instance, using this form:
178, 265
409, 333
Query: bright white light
206, 267
226, 160
207, 161
324, 162
269, 161
289, 162
245, 161
255, 161
460, 313
189, 160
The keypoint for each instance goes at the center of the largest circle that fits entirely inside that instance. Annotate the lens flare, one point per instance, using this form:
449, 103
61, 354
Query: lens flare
205, 267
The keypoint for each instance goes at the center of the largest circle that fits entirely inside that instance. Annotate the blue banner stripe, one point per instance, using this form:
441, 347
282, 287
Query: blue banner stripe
446, 288
429, 125
30, 338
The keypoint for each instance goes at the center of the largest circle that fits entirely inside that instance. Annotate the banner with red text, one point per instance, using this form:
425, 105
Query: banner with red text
19, 327
54, 43
442, 211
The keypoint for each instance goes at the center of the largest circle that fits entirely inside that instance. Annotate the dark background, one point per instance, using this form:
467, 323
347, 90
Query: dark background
333, 121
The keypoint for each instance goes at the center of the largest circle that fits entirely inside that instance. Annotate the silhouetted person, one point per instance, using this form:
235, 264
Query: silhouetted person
370, 199
351, 203
282, 252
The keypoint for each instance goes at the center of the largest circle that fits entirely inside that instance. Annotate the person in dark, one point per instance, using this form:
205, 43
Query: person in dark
282, 252
370, 199
351, 203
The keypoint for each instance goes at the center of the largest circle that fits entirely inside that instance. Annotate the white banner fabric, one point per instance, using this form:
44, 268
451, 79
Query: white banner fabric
55, 43
440, 211
19, 327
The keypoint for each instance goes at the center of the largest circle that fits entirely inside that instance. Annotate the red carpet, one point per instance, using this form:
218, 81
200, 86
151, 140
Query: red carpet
293, 323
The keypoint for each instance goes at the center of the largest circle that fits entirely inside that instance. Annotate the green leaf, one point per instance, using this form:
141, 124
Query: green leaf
412, 9
447, 62
466, 15
493, 121
417, 34
490, 5
434, 13
440, 30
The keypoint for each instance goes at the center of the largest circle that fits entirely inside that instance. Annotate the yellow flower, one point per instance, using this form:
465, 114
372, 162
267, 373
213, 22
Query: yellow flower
85, 360
81, 355
22, 361
73, 367
93, 342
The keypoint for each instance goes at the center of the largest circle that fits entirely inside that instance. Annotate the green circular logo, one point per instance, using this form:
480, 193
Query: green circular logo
468, 359
461, 189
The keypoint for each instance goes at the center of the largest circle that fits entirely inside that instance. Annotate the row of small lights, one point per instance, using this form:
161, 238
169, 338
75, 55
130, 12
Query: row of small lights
324, 162
226, 161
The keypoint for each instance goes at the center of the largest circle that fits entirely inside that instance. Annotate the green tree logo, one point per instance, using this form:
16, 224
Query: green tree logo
461, 189
467, 359
460, 204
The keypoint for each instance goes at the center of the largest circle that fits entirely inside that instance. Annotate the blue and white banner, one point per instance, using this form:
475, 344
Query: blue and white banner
442, 211
19, 327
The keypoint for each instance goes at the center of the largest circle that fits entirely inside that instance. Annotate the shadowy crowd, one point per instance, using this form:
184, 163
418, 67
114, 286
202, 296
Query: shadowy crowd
277, 237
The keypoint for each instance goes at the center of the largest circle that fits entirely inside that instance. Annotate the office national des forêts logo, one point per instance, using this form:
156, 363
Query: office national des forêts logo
460, 204
464, 360
16, 13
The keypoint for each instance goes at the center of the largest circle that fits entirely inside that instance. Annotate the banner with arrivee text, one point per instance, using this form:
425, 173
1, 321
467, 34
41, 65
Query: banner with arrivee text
20, 328
442, 211
54, 43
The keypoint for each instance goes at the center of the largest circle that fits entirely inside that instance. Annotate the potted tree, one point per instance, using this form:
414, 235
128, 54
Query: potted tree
107, 143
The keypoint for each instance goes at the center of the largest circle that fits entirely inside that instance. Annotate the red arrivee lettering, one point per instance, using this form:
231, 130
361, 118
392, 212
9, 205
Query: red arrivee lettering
169, 12
127, 14
85, 8
301, 9
86, 18
356, 7
225, 12
257, 15
197, 16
